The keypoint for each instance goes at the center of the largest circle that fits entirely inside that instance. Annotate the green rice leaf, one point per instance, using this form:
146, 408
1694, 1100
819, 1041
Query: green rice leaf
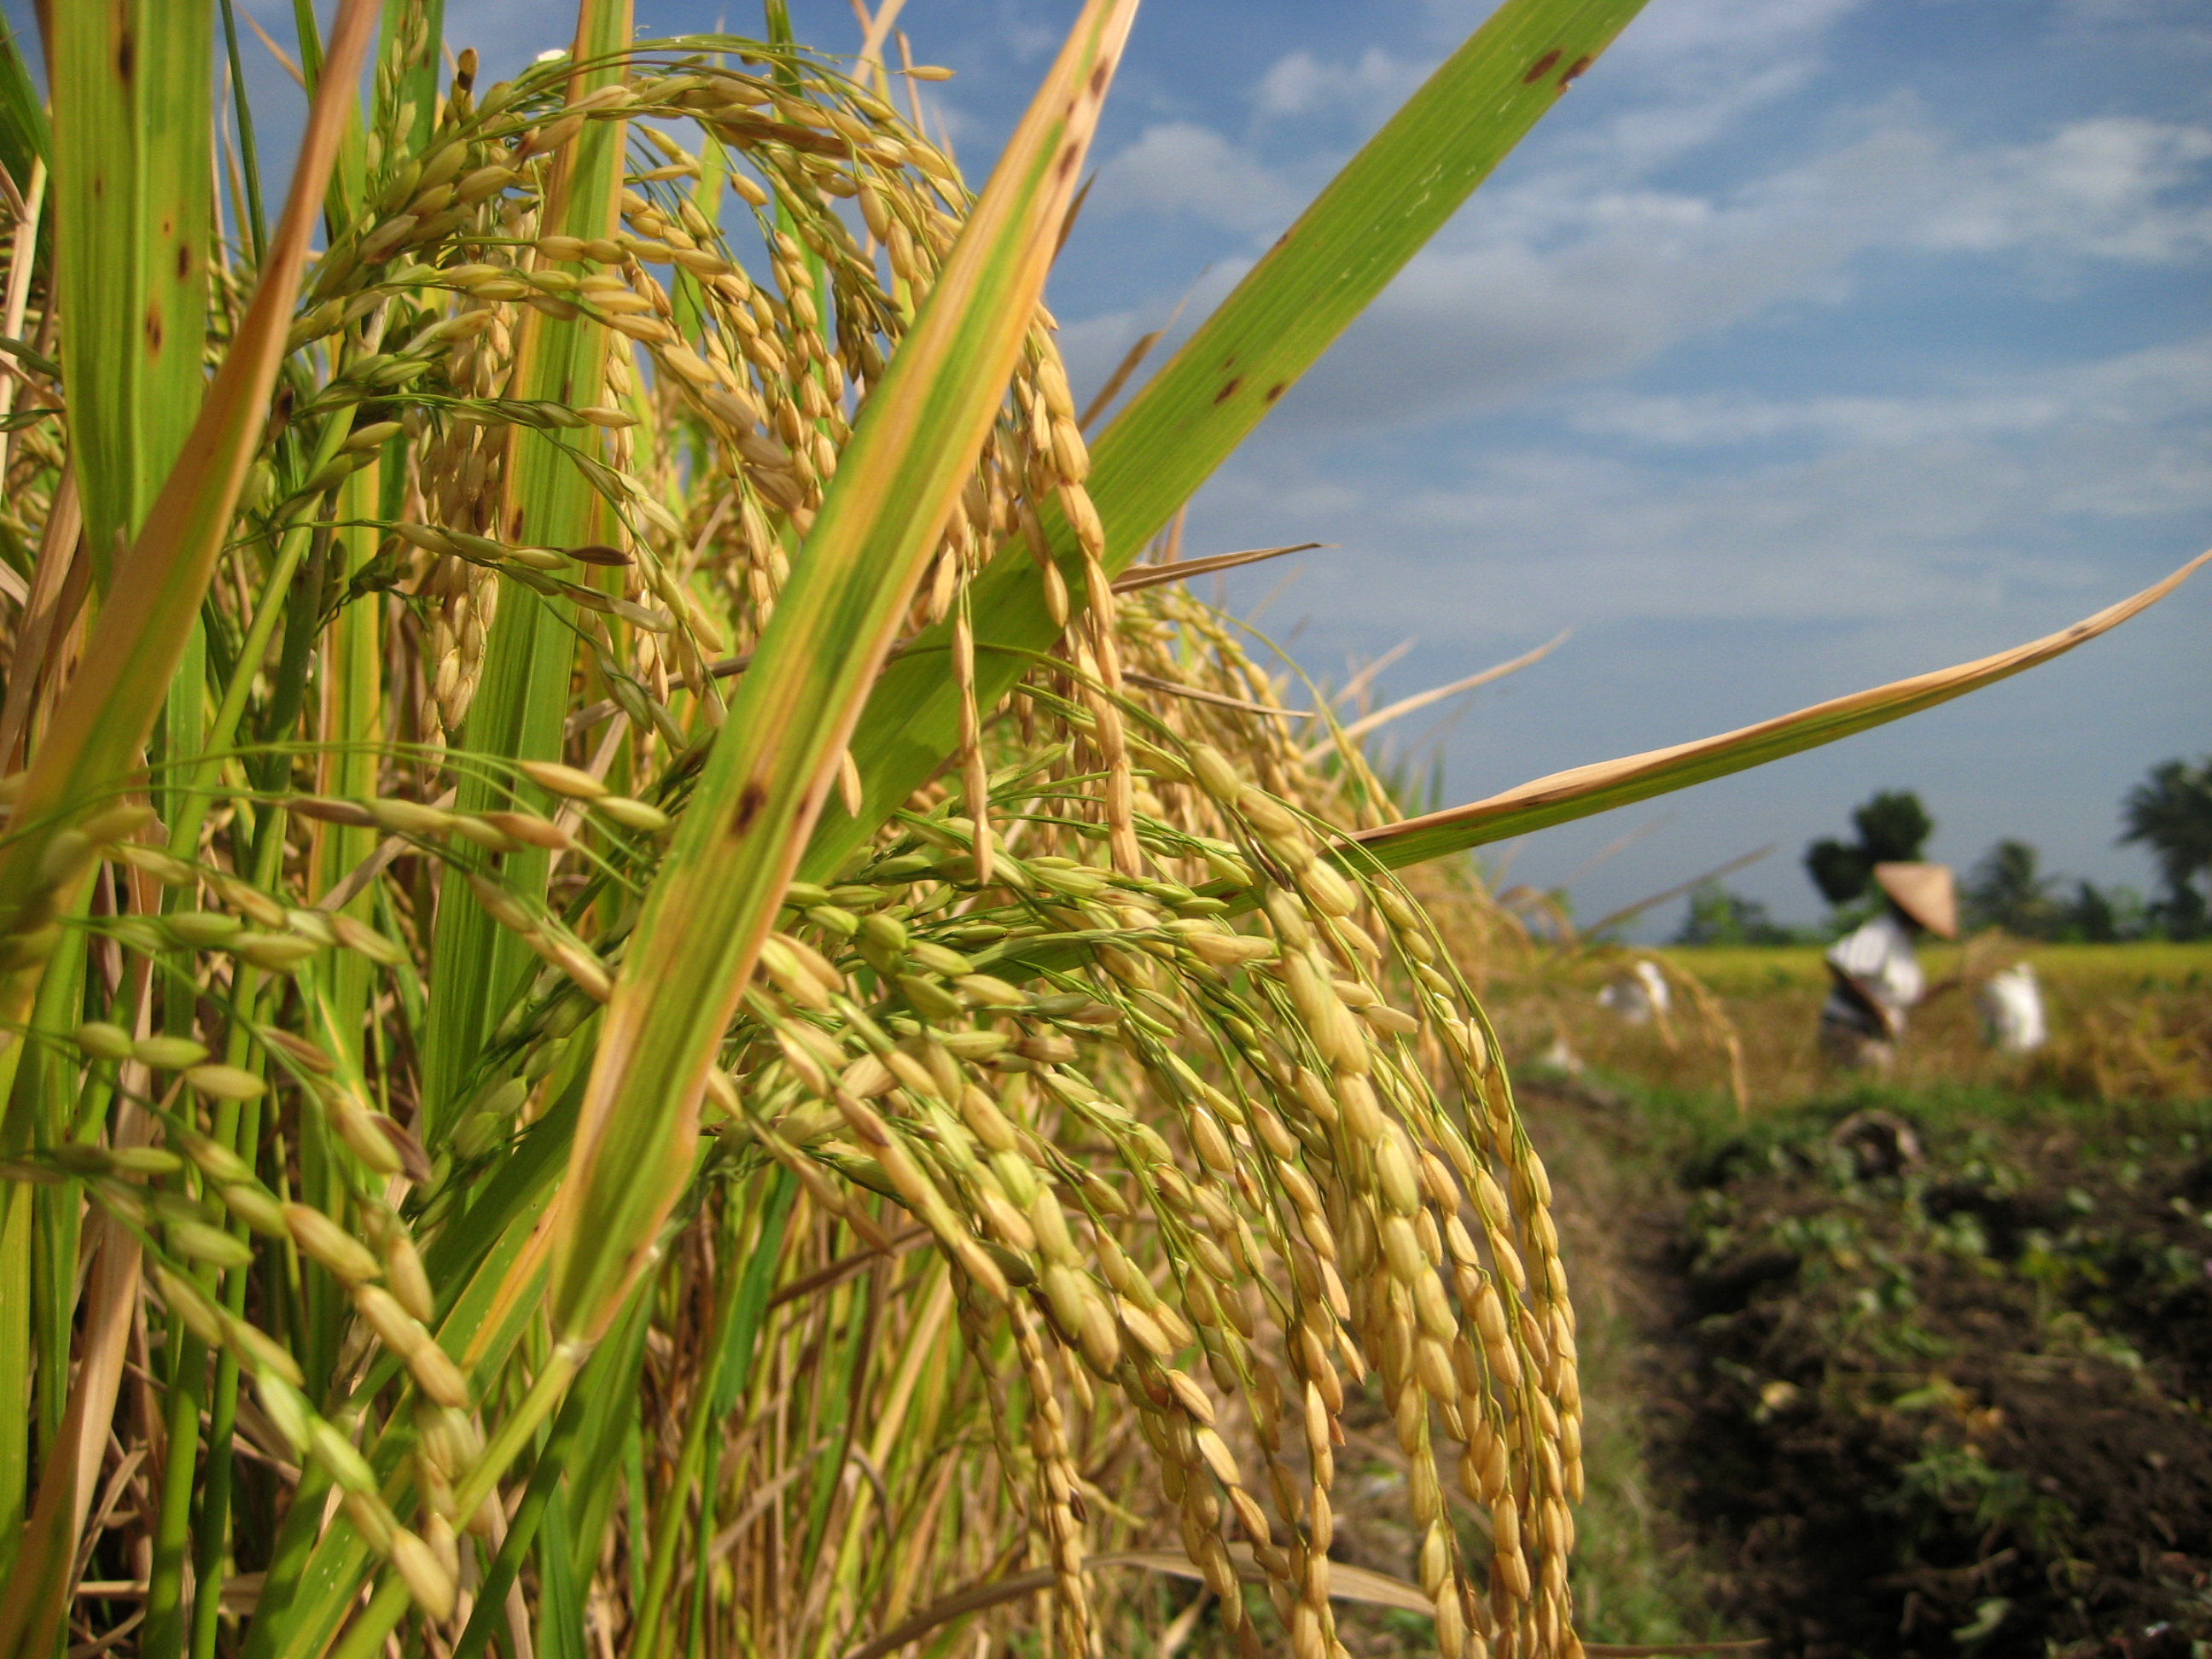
479, 966
26, 135
103, 720
133, 136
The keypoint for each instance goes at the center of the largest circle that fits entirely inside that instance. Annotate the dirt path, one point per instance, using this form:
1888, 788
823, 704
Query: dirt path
1642, 1574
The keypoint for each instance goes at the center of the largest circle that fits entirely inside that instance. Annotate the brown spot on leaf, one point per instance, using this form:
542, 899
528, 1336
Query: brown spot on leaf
154, 329
126, 57
1277, 390
183, 261
751, 799
1228, 390
1540, 68
1099, 78
1575, 69
1068, 158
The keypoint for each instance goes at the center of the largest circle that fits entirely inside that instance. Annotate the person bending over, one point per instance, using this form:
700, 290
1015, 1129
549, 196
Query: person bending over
1874, 976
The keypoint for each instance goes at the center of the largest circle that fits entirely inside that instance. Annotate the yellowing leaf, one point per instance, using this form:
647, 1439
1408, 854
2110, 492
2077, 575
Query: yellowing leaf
1585, 790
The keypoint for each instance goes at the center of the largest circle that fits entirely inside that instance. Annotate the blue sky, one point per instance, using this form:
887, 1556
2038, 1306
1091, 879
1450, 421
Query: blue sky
1807, 344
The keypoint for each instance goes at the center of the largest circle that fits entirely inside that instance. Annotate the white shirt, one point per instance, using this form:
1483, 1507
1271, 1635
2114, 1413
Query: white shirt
1879, 957
1638, 995
2012, 1011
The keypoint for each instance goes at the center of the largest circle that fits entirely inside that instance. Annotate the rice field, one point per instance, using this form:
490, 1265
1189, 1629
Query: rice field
2128, 1022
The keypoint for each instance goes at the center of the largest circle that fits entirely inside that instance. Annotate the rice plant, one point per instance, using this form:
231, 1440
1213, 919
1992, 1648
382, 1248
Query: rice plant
656, 1001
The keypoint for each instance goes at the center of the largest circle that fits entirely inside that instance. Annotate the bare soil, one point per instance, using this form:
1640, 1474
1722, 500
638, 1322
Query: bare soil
1910, 1387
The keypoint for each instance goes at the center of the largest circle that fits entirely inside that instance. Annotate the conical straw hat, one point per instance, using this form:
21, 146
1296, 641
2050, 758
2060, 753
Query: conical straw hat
1925, 892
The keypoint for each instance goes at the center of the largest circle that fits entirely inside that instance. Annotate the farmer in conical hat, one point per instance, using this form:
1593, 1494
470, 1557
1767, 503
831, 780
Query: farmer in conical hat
1877, 976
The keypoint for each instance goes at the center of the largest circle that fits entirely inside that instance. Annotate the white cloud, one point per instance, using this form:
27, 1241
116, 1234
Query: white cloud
1652, 133
1555, 279
2095, 186
2141, 390
1577, 273
1543, 284
1701, 29
2180, 24
1889, 512
1720, 419
1178, 167
1294, 85
1301, 84
1694, 70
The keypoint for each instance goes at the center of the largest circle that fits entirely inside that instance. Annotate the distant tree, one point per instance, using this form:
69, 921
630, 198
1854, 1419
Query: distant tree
2170, 813
1840, 873
2004, 889
1718, 916
2100, 915
1894, 826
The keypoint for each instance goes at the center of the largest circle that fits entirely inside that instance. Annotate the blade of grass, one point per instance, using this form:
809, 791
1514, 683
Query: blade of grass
1589, 789
237, 1125
132, 146
553, 1460
49, 609
38, 1582
517, 713
576, 1449
1628, 913
102, 721
775, 763
26, 135
249, 154
737, 1319
38, 1308
18, 1202
98, 729
133, 177
494, 1255
1400, 188
895, 1429
559, 1598
202, 1506
415, 86
1345, 1584
46, 1094
610, 1423
845, 1370
1132, 360
1152, 575
1436, 693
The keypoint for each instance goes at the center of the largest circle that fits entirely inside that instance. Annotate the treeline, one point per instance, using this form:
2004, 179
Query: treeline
2169, 814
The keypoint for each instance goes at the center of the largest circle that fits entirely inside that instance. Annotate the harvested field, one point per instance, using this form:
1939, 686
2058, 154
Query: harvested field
1896, 1375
